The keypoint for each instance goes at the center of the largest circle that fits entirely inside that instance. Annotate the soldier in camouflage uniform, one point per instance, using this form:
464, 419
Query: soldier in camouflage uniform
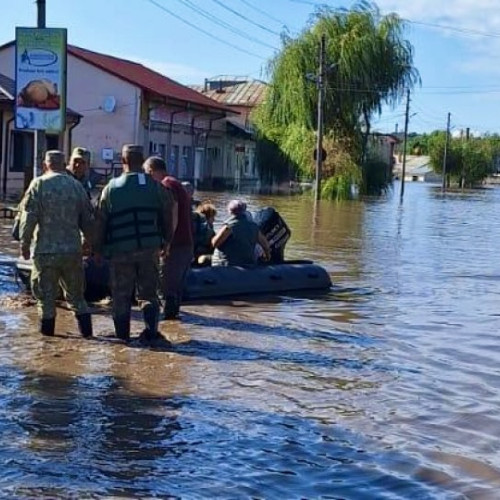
55, 210
134, 222
78, 168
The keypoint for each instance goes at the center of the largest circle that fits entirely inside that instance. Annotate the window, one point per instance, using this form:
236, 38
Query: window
173, 161
185, 161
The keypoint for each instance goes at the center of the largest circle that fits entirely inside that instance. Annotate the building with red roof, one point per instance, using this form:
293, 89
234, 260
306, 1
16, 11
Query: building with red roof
121, 101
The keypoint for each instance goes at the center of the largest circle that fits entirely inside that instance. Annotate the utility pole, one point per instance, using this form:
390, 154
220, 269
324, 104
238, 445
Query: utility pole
462, 177
40, 143
321, 101
446, 144
405, 140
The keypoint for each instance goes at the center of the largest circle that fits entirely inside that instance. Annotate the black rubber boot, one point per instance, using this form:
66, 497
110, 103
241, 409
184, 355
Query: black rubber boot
47, 327
171, 308
85, 325
122, 327
150, 314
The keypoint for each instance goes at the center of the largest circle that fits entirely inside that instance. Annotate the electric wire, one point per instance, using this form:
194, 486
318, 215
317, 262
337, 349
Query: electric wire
263, 12
201, 30
241, 16
223, 24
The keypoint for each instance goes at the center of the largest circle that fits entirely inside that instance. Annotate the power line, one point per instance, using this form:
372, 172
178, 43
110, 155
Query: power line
447, 27
223, 24
238, 14
466, 31
450, 91
263, 12
201, 30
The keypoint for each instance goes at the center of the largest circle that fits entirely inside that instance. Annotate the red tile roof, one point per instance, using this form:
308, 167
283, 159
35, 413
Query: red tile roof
145, 78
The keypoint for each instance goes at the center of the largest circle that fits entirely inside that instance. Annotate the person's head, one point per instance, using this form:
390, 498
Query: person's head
207, 209
156, 167
188, 188
79, 162
132, 157
236, 207
54, 161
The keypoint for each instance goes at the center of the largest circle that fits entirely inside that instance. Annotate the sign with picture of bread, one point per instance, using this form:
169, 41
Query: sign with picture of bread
40, 94
41, 79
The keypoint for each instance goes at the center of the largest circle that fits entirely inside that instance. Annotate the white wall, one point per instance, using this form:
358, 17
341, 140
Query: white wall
87, 88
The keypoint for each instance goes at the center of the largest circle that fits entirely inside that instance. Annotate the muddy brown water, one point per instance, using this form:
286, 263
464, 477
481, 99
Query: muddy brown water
388, 386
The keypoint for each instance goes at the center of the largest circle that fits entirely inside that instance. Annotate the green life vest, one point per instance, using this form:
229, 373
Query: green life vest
134, 214
239, 248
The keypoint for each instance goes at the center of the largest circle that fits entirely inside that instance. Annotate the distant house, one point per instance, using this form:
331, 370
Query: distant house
242, 95
381, 147
417, 169
121, 101
17, 150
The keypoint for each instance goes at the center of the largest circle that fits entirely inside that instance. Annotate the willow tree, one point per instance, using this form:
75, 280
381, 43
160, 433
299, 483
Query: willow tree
369, 65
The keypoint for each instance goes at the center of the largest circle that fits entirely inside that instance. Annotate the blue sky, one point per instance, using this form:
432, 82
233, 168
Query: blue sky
457, 45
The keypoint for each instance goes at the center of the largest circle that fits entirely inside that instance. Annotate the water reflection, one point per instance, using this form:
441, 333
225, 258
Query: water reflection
386, 387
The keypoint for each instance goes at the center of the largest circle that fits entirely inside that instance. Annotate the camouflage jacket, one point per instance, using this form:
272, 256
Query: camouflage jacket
86, 184
56, 208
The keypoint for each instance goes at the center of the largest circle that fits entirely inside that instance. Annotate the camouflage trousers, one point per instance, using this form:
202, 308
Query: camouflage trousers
50, 273
134, 272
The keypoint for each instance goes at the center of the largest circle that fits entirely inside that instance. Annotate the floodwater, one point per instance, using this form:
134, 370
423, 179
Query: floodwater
386, 387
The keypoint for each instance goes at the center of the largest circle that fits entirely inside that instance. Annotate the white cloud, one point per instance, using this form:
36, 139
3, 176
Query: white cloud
474, 14
467, 17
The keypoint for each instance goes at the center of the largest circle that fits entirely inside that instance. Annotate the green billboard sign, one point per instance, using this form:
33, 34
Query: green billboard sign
41, 60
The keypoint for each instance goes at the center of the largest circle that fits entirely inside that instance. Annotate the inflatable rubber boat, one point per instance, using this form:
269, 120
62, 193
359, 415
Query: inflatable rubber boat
218, 281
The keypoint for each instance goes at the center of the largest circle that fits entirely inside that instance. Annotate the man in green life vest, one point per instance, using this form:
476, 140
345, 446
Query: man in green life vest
134, 223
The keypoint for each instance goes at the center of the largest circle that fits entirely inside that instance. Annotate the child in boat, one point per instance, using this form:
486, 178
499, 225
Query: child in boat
204, 218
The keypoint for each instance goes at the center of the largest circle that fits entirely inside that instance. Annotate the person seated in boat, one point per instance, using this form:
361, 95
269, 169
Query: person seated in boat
203, 232
236, 240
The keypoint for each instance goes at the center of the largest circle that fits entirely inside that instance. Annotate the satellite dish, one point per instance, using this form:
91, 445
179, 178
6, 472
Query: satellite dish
109, 104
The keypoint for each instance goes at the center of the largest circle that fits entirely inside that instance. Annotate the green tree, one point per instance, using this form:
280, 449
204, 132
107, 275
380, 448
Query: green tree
369, 64
468, 162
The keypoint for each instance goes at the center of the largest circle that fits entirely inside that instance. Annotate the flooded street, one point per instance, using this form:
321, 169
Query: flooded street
386, 387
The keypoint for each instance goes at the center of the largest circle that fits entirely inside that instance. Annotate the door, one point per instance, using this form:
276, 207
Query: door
23, 152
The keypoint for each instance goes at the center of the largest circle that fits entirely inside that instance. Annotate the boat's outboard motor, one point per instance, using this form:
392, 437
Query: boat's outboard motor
274, 228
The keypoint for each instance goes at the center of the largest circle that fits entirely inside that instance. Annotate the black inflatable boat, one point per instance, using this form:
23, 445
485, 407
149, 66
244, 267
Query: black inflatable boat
220, 281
